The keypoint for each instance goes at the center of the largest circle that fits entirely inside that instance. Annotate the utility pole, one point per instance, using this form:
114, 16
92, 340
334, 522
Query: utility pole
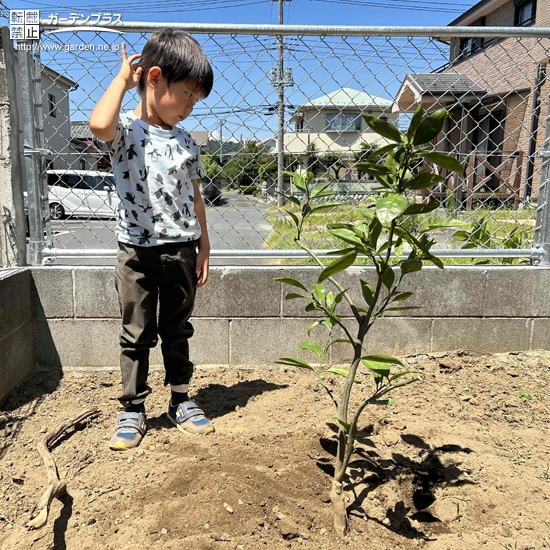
221, 140
280, 79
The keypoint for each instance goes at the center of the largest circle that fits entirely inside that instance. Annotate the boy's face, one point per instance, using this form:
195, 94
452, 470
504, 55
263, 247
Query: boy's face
174, 102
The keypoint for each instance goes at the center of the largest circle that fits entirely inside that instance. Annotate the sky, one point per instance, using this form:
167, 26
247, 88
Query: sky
242, 102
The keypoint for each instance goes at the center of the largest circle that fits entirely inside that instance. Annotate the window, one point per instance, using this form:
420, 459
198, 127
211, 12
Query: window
82, 164
525, 12
52, 106
67, 180
343, 123
469, 46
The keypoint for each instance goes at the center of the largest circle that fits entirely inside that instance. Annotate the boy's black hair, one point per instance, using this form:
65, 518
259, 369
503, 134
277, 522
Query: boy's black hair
180, 57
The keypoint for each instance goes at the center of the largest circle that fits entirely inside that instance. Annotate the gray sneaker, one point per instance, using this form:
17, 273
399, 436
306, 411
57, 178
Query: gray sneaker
129, 431
187, 417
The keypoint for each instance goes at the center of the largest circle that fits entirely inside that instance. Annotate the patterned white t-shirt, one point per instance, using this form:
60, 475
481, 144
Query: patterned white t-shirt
153, 170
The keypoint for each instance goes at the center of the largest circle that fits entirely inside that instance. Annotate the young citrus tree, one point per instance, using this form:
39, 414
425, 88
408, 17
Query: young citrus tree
380, 236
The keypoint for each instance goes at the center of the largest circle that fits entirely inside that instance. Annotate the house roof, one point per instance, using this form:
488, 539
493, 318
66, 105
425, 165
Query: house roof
347, 97
476, 11
80, 129
432, 89
443, 84
202, 137
58, 78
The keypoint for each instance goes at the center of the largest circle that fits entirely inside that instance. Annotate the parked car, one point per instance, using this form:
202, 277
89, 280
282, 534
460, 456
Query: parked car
84, 193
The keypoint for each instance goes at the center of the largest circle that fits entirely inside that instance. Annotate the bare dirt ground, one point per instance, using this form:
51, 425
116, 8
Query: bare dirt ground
461, 462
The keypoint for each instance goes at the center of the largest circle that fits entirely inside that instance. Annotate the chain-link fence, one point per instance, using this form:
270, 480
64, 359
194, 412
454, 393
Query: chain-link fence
293, 98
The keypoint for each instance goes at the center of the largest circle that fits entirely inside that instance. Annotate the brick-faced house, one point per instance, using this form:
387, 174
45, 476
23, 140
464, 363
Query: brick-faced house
498, 104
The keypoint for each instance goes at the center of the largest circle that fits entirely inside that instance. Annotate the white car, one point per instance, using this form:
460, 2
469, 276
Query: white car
85, 193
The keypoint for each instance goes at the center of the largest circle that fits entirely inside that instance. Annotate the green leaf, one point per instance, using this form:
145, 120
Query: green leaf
443, 160
368, 292
339, 296
382, 358
340, 252
292, 199
402, 296
388, 277
324, 206
294, 296
383, 128
311, 307
319, 189
410, 266
347, 236
298, 181
294, 363
319, 291
330, 301
381, 369
341, 341
294, 217
436, 261
390, 207
430, 127
405, 382
345, 425
373, 169
445, 225
375, 228
421, 208
292, 282
404, 373
383, 150
343, 372
415, 122
311, 346
424, 180
382, 402
325, 194
338, 265
387, 182
312, 326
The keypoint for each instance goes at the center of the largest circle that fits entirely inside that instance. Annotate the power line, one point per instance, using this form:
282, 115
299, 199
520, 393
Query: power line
395, 5
175, 7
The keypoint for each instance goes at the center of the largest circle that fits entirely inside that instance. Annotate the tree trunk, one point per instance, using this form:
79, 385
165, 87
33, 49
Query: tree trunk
337, 498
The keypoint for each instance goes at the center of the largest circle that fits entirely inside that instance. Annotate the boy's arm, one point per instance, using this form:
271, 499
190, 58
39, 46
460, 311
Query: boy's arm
104, 117
203, 257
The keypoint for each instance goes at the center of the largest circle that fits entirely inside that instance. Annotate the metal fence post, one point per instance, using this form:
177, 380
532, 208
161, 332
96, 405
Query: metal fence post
540, 254
13, 238
28, 75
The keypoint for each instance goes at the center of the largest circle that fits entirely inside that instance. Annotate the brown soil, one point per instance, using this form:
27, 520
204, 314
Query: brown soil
462, 461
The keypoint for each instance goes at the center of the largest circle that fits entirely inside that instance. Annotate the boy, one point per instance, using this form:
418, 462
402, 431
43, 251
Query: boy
161, 222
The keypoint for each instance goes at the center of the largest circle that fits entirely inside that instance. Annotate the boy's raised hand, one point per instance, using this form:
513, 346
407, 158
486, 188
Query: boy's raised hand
128, 72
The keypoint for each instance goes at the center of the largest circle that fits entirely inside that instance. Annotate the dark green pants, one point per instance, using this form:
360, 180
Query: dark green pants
146, 277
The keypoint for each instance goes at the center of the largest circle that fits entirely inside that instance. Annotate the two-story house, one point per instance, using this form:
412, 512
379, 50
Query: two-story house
333, 123
495, 90
56, 123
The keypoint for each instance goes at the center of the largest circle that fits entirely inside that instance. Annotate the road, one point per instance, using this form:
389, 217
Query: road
240, 224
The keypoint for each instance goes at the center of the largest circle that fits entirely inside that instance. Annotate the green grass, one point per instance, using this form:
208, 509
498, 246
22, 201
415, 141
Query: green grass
317, 236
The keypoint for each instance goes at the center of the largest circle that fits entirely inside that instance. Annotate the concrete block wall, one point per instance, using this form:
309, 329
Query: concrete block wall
17, 351
242, 318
